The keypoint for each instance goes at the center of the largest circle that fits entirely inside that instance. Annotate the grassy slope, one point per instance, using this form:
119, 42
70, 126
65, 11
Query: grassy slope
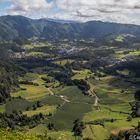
111, 98
32, 93
107, 88
44, 110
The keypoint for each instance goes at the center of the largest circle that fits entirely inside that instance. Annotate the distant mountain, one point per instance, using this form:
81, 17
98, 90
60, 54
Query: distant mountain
63, 21
19, 26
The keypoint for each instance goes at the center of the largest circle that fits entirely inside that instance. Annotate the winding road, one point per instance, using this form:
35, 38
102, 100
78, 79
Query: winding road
93, 93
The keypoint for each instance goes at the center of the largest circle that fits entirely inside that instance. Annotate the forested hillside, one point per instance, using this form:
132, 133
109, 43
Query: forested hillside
8, 77
12, 27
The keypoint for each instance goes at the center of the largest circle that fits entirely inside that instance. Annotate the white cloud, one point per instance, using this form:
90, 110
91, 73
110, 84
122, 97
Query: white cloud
124, 11
31, 8
106, 10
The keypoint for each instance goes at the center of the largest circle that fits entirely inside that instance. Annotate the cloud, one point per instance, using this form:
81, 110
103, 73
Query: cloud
3, 1
31, 8
124, 11
107, 10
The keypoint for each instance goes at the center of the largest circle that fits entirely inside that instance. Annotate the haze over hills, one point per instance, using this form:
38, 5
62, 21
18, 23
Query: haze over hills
14, 26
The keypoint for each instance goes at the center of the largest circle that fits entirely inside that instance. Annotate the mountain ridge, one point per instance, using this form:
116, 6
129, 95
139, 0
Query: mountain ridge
19, 26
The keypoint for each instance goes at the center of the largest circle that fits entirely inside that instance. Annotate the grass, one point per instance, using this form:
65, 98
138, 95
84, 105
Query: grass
61, 135
52, 100
110, 88
17, 104
2, 108
39, 81
134, 53
123, 72
33, 45
53, 83
38, 130
79, 104
64, 117
109, 91
32, 93
119, 39
37, 53
75, 95
8, 135
63, 62
82, 108
96, 132
106, 95
44, 110
130, 53
102, 114
81, 74
120, 124
29, 77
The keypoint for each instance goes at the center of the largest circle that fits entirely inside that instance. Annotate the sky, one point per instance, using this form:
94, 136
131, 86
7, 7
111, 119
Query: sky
120, 11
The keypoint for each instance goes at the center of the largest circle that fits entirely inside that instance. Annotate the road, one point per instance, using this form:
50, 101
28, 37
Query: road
93, 93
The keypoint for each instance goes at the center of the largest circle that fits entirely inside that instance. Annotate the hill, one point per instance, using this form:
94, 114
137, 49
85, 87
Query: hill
15, 26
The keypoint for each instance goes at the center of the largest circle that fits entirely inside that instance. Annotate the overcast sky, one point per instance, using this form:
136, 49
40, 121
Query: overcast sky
123, 11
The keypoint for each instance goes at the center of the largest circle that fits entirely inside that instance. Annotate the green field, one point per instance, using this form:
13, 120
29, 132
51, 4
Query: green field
81, 74
63, 62
51, 81
112, 102
17, 104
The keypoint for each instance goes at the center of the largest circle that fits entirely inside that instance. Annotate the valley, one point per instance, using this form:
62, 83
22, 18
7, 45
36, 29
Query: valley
88, 83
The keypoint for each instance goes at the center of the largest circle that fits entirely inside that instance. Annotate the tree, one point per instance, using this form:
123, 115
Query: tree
78, 128
137, 95
51, 126
38, 104
129, 118
34, 107
135, 109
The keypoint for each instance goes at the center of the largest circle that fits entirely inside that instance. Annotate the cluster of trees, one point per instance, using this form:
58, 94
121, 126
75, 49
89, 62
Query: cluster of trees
46, 79
8, 71
45, 49
63, 77
78, 128
16, 120
135, 106
8, 80
32, 63
36, 105
12, 46
21, 41
137, 95
133, 65
101, 121
28, 83
82, 85
51, 126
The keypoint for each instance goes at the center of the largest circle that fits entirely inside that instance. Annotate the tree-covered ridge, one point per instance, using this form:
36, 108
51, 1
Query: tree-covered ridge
18, 26
8, 80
